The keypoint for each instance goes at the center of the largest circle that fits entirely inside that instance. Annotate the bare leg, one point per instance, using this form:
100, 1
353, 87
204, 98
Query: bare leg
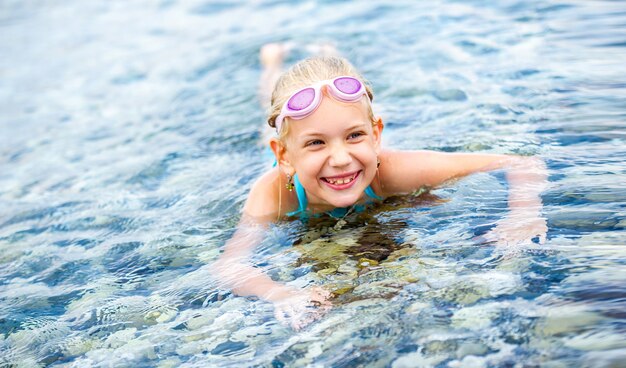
271, 57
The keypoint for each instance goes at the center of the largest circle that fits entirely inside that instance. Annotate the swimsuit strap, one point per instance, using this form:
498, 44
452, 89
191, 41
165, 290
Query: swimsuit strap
303, 202
370, 192
301, 194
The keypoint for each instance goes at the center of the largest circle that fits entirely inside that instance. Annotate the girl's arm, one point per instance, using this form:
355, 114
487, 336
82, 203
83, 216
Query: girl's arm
235, 271
233, 268
406, 171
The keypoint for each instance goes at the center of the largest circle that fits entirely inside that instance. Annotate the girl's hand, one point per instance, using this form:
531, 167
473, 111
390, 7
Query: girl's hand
518, 228
301, 307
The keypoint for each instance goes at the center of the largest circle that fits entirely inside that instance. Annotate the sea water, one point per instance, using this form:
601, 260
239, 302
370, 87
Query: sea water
130, 133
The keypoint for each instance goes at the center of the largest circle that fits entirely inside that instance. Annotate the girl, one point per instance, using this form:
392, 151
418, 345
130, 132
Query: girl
330, 161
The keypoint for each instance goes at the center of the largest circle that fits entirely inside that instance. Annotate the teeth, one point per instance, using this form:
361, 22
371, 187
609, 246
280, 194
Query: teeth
341, 181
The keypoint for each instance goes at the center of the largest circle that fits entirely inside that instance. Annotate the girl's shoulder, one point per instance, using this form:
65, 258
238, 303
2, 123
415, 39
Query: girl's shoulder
268, 197
263, 197
404, 171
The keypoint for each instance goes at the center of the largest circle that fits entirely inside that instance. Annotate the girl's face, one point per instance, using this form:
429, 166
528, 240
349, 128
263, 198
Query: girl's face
334, 152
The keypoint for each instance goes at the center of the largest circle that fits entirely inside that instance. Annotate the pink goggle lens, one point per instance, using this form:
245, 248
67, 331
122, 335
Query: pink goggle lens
347, 85
301, 100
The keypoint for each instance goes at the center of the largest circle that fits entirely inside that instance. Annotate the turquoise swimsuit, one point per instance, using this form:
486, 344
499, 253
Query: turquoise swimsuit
337, 212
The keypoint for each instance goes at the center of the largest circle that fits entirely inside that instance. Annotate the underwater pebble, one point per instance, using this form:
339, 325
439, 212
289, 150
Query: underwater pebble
498, 283
472, 288
364, 262
605, 359
514, 265
476, 317
345, 268
37, 332
252, 331
326, 271
364, 303
294, 356
128, 310
598, 340
208, 256
449, 95
90, 300
137, 349
404, 252
77, 345
559, 364
476, 146
437, 347
119, 338
471, 348
102, 220
416, 307
315, 350
199, 346
416, 359
381, 289
204, 318
470, 361
228, 347
200, 336
167, 315
9, 252
163, 314
567, 318
229, 320
23, 362
169, 363
590, 221
464, 293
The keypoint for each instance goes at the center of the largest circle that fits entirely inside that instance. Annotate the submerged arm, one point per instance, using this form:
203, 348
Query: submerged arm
527, 177
234, 269
406, 171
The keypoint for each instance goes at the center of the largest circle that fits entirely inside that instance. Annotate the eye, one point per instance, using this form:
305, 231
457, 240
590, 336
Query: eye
314, 142
355, 135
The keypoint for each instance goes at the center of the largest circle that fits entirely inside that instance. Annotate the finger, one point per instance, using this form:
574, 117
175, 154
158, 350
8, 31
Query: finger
280, 317
284, 315
296, 325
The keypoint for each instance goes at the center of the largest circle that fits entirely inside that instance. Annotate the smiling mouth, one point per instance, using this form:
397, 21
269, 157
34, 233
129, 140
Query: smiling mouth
341, 180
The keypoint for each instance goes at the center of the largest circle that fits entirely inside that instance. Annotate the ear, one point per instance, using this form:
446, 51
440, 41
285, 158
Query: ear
280, 152
377, 130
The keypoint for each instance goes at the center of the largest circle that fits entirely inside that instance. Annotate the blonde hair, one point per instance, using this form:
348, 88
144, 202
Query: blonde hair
305, 73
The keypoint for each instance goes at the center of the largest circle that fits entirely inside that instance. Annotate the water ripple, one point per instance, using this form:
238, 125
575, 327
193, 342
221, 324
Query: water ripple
126, 158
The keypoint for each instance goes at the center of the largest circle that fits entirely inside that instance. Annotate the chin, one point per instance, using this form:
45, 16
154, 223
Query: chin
344, 201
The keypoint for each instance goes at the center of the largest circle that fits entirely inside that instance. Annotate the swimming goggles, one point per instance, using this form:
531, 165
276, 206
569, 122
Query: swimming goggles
304, 101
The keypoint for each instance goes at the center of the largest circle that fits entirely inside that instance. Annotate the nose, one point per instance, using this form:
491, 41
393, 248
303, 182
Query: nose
339, 156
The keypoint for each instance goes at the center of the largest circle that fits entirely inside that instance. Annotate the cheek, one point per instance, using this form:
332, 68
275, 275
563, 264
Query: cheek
309, 163
367, 153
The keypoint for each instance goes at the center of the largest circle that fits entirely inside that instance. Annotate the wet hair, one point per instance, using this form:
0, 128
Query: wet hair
305, 73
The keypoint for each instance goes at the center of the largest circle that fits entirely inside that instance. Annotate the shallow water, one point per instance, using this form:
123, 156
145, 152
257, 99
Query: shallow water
129, 138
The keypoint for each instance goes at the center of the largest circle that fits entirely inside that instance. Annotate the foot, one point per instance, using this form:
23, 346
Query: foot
272, 55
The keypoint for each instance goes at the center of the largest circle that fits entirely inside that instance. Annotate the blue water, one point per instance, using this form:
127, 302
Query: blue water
129, 137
